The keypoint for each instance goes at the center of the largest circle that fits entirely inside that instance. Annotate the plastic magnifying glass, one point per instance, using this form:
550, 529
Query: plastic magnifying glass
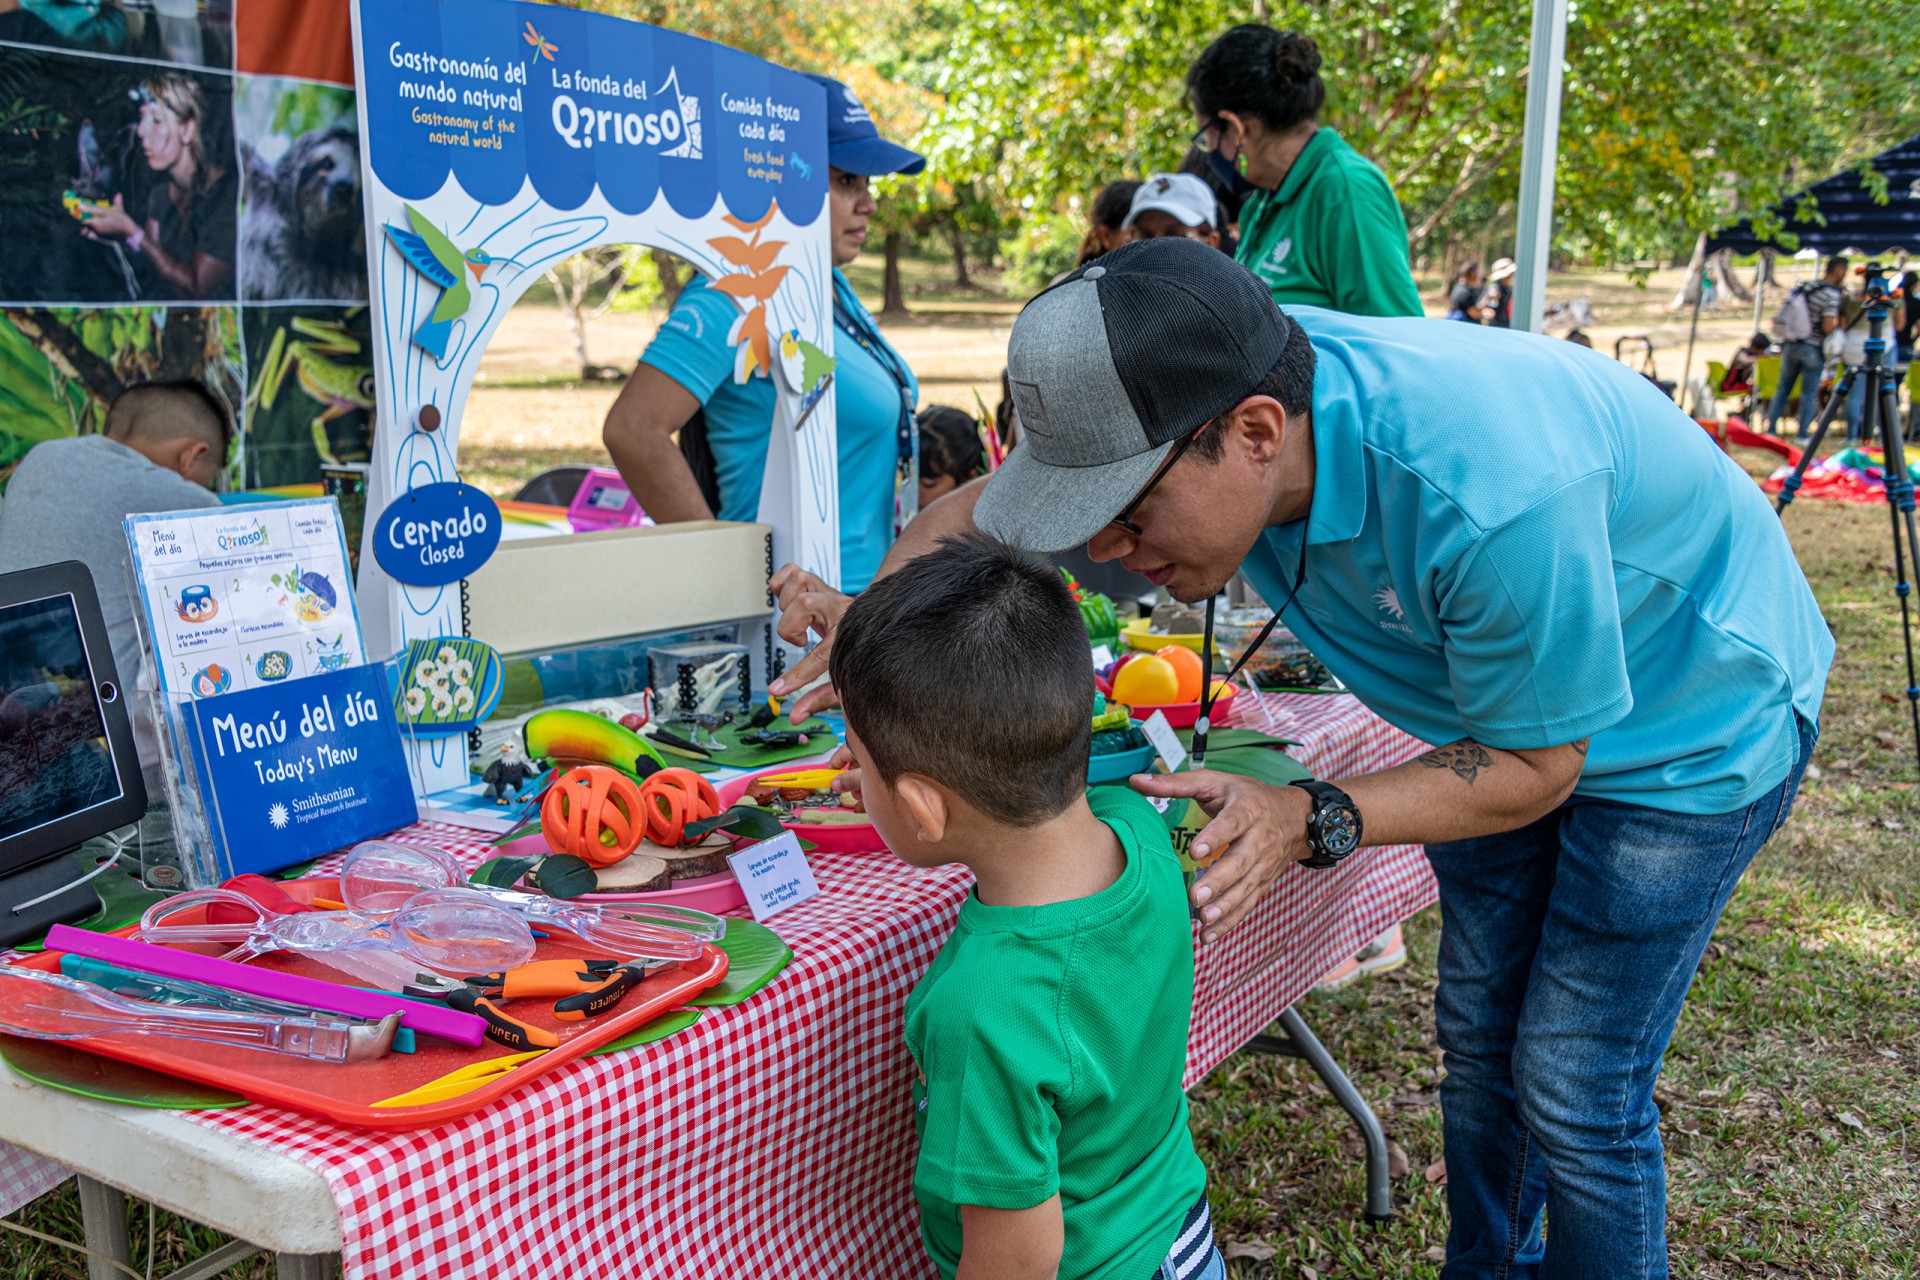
452, 935
380, 874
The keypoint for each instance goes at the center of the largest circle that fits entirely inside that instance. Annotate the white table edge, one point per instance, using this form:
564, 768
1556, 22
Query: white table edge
239, 1187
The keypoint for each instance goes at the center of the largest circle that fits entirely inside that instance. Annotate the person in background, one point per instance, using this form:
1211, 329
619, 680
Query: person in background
950, 451
1320, 225
187, 235
1496, 304
162, 450
688, 370
1905, 333
1106, 224
1225, 199
1742, 364
1049, 1035
1853, 351
1579, 338
1812, 306
1173, 204
1463, 295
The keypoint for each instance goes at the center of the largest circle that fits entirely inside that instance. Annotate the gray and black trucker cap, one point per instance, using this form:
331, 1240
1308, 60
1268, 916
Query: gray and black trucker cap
1109, 369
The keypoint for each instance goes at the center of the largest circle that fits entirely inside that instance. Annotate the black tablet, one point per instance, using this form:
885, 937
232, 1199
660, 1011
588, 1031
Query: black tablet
68, 769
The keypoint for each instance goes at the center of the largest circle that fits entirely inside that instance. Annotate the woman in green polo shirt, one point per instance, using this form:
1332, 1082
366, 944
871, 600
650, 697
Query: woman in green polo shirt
1321, 225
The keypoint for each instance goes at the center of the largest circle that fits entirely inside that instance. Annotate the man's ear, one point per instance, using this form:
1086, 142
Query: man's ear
926, 803
1260, 428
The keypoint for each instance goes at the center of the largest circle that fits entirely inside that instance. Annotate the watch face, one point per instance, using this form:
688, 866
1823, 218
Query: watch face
1339, 830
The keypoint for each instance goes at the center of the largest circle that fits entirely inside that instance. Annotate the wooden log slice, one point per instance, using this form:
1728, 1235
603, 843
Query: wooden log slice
690, 862
638, 872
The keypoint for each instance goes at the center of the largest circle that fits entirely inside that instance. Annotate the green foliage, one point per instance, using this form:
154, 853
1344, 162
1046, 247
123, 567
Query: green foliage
1042, 248
1676, 116
299, 107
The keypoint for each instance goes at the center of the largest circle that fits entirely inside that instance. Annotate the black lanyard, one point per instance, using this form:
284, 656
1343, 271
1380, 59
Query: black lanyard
1204, 724
870, 341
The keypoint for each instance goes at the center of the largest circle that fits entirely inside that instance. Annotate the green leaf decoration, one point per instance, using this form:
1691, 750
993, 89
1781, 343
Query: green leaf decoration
502, 873
669, 1023
1276, 768
1225, 739
63, 1066
565, 876
755, 955
749, 822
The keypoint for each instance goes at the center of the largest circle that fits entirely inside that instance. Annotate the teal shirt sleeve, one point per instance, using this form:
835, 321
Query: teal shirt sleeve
1531, 622
1364, 246
691, 346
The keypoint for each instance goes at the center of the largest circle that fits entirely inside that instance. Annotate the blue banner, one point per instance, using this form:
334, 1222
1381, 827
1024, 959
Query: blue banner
499, 94
291, 771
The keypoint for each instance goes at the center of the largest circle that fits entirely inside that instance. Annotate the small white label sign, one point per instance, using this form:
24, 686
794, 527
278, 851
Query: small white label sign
774, 875
1166, 743
1102, 657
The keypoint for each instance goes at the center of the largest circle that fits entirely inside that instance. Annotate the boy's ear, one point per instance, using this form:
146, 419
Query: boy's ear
188, 454
926, 803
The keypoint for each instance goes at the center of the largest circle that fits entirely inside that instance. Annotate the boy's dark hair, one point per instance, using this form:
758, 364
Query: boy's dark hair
172, 409
949, 443
1290, 381
1253, 70
969, 666
1111, 204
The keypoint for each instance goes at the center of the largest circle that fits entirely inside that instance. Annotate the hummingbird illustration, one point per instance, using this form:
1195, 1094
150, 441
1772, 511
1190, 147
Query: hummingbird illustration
437, 258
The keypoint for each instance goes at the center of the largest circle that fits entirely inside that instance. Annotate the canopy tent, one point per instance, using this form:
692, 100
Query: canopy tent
1845, 213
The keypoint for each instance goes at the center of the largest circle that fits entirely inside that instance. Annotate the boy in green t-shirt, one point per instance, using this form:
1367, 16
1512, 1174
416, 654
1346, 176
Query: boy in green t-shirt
1051, 1031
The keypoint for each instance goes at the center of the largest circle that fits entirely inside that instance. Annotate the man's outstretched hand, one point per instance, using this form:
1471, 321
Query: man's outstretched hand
808, 608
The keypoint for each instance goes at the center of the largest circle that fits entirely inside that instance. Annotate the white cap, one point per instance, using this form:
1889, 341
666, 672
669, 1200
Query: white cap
1186, 197
1502, 269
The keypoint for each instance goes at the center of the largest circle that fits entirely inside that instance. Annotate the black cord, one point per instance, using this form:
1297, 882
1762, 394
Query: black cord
1204, 724
466, 629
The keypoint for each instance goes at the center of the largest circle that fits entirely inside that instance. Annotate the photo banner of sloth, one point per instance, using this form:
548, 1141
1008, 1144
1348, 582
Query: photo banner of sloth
302, 233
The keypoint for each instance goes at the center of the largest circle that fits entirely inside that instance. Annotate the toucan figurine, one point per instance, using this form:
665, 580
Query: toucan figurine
439, 260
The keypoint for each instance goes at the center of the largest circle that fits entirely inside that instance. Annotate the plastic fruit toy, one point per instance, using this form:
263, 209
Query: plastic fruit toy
1147, 681
593, 812
671, 799
1187, 666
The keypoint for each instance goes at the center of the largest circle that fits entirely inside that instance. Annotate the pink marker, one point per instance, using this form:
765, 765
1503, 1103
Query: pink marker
427, 1019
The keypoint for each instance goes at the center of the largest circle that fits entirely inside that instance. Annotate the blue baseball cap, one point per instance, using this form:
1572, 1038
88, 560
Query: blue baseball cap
854, 143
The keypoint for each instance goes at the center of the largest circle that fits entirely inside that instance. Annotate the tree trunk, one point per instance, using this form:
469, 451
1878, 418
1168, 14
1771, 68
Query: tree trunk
1766, 276
961, 278
1721, 264
1690, 287
67, 353
672, 280
893, 295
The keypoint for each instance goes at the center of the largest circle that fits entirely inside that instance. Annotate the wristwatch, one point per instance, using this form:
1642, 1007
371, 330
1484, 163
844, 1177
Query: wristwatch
1333, 826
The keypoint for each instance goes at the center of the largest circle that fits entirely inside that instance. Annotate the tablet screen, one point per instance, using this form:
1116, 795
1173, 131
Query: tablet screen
54, 757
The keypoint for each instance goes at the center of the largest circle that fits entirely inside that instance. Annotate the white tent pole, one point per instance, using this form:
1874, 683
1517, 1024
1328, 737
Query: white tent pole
1540, 147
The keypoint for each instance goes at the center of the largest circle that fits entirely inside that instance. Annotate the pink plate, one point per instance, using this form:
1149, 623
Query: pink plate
717, 894
1181, 715
828, 838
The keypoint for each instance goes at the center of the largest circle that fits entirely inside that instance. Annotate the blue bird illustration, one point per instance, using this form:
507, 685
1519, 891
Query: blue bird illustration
437, 258
798, 164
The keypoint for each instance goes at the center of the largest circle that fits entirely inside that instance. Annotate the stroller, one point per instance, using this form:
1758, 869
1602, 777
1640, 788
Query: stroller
1647, 370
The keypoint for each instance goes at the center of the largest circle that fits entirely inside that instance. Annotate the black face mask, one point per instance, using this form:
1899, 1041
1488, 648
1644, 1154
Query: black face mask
1225, 170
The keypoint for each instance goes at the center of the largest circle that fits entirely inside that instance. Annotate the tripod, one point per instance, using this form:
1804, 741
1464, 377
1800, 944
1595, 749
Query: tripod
1881, 408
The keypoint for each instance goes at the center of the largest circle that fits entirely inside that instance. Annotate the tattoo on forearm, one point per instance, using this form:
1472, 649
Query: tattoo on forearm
1466, 758
1581, 746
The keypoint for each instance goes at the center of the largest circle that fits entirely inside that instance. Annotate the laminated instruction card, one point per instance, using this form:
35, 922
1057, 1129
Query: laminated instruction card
292, 734
244, 596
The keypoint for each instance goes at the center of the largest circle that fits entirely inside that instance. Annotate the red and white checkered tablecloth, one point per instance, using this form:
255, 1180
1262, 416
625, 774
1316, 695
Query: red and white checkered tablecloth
775, 1138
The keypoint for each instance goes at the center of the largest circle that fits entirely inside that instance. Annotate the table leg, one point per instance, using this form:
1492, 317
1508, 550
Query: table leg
306, 1266
1299, 1042
103, 1223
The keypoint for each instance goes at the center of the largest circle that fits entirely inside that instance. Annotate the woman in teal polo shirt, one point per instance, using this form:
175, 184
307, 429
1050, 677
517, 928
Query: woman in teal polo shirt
1321, 225
688, 370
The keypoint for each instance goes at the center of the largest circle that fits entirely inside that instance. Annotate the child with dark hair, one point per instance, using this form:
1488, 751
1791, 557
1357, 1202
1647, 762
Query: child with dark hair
1104, 230
950, 451
1050, 1032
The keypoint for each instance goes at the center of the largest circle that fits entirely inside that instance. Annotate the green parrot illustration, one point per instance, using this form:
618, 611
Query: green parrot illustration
804, 364
437, 258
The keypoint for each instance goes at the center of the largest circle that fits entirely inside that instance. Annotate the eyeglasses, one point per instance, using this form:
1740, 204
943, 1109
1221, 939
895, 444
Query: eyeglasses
1124, 519
1201, 140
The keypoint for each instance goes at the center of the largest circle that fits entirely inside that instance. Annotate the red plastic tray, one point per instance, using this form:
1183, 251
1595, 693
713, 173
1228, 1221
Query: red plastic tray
838, 837
345, 1093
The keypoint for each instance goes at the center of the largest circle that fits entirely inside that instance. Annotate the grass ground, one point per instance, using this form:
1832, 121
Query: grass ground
1791, 1096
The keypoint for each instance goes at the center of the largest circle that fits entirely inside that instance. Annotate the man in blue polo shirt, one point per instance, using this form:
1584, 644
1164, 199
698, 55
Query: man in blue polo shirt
1514, 549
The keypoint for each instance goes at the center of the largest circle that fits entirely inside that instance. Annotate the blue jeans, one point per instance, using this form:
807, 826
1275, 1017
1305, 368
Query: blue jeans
1798, 360
1566, 951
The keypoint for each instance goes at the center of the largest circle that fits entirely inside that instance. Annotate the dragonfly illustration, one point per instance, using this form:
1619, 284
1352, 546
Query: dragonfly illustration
542, 47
